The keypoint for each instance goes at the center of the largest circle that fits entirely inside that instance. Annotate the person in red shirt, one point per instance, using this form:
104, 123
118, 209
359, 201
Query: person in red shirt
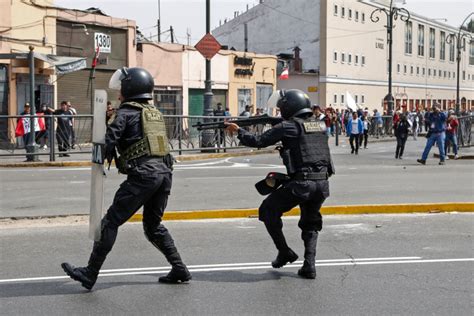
452, 124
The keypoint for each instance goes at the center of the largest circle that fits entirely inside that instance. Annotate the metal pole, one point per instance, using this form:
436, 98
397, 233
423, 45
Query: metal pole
458, 105
246, 38
389, 35
172, 34
158, 24
31, 146
207, 136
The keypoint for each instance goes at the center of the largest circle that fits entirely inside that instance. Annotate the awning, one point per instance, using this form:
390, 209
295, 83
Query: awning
63, 64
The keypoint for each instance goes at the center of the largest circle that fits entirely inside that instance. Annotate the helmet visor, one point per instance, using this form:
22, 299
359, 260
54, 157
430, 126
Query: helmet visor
115, 82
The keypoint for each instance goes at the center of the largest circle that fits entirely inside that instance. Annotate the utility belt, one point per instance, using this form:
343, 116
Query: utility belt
310, 176
275, 180
141, 160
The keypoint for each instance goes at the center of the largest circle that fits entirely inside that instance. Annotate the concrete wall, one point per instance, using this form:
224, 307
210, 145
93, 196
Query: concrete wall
164, 61
303, 82
194, 73
271, 29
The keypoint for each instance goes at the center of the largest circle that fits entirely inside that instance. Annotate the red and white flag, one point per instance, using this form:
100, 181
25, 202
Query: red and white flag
23, 126
285, 74
96, 57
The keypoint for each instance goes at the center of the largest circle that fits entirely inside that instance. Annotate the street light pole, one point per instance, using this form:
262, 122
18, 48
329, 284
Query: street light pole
392, 15
31, 147
207, 136
458, 38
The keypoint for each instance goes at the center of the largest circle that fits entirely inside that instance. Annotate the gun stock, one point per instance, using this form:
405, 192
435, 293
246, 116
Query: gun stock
256, 120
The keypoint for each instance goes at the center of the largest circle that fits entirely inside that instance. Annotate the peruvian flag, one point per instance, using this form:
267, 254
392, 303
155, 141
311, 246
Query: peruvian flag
285, 74
96, 57
23, 126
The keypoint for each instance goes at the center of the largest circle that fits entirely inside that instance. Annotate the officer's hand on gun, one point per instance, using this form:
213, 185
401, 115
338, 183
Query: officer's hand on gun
231, 127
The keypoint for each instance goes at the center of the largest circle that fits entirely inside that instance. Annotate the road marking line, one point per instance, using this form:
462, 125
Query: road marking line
255, 266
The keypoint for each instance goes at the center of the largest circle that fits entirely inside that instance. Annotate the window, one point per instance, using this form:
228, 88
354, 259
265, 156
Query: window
424, 71
440, 73
398, 68
343, 12
335, 57
343, 57
335, 98
363, 17
357, 15
363, 60
471, 53
417, 70
3, 89
357, 98
356, 59
342, 98
463, 75
445, 74
363, 99
463, 44
411, 70
408, 37
429, 72
451, 49
442, 45
349, 13
432, 43
349, 58
421, 40
335, 9
404, 69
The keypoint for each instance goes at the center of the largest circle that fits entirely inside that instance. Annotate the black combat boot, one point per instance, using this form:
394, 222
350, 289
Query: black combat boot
284, 257
179, 272
86, 275
285, 254
308, 270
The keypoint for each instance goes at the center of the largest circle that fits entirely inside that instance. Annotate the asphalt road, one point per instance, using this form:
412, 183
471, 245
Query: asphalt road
367, 265
372, 177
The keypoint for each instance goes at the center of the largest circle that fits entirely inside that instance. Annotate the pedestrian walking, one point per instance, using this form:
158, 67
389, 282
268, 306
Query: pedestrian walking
436, 134
354, 129
366, 124
452, 124
378, 123
139, 134
306, 155
72, 124
63, 130
401, 133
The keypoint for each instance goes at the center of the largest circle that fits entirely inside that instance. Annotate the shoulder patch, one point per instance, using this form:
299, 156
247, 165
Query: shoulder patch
314, 127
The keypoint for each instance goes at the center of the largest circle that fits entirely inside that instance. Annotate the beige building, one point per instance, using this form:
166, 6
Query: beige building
238, 78
59, 37
344, 52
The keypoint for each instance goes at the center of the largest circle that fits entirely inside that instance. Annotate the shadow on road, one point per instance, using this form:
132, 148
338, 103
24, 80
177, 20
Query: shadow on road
241, 277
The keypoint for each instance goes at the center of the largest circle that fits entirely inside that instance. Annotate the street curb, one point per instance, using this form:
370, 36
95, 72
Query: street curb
179, 158
460, 157
325, 210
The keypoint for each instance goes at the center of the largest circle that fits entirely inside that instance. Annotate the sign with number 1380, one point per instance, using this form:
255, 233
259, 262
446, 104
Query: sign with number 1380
103, 41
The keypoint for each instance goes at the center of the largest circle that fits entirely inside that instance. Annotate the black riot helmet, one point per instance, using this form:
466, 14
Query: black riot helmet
293, 103
133, 83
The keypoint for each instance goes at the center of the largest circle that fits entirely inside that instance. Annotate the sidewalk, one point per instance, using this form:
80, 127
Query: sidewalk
81, 159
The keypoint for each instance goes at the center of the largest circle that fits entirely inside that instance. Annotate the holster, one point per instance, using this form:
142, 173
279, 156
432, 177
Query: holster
121, 164
271, 183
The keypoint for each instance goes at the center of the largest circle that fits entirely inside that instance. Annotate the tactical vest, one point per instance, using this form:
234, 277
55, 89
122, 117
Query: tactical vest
311, 149
155, 140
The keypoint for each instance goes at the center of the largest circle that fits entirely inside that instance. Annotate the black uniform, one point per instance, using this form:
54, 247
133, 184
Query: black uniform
148, 184
308, 162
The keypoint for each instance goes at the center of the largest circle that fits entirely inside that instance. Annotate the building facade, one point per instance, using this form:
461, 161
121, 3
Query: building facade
238, 78
351, 54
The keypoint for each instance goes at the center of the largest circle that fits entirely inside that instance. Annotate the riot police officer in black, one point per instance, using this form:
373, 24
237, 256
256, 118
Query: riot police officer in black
139, 134
305, 153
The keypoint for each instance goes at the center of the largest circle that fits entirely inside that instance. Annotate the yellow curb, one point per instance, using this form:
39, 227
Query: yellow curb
179, 158
326, 210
